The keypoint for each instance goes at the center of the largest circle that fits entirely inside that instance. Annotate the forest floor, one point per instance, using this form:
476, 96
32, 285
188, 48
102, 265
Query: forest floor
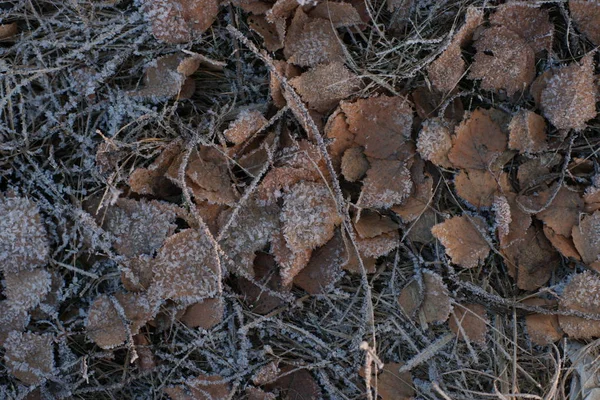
298, 199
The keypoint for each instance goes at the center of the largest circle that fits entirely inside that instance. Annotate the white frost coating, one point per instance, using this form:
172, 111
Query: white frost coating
503, 215
29, 356
26, 289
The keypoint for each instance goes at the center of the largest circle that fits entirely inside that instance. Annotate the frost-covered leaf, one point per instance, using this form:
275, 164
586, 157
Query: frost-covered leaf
568, 99
137, 308
204, 314
266, 274
503, 61
203, 387
382, 125
311, 41
290, 262
186, 268
393, 384
586, 14
175, 21
104, 325
586, 236
354, 164
379, 245
581, 294
372, 224
527, 132
531, 261
11, 319
478, 187
418, 202
272, 30
247, 123
434, 142
139, 227
543, 329
433, 303
463, 240
325, 85
563, 213
309, 216
27, 289
136, 273
164, 79
340, 14
469, 321
511, 221
478, 143
152, 180
532, 24
29, 356
387, 183
23, 237
286, 70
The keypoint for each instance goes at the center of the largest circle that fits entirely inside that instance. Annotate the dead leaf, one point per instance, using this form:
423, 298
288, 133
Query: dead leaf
531, 261
340, 14
586, 15
104, 326
164, 79
532, 170
152, 180
563, 213
543, 329
469, 321
323, 86
586, 236
324, 267
433, 303
203, 387
354, 164
290, 262
372, 224
379, 245
463, 240
295, 384
272, 30
434, 142
176, 21
286, 70
581, 294
247, 123
478, 142
259, 394
419, 230
419, 201
26, 289
8, 30
29, 357
339, 136
311, 41
205, 314
266, 274
532, 24
564, 245
428, 104
527, 133
512, 222
11, 319
478, 187
386, 183
568, 100
393, 384
504, 61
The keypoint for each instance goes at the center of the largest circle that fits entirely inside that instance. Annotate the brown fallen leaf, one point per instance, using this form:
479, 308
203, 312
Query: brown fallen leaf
311, 41
203, 387
272, 30
531, 261
354, 164
340, 14
532, 24
205, 314
267, 275
586, 15
247, 123
325, 85
563, 213
433, 302
393, 384
387, 183
543, 329
29, 357
419, 230
152, 180
532, 170
586, 237
429, 103
581, 294
478, 187
259, 394
527, 133
479, 141
339, 137
295, 384
176, 21
382, 125
434, 142
564, 245
26, 289
286, 70
103, 325
418, 202
568, 100
372, 224
512, 222
378, 246
324, 267
470, 321
8, 30
167, 77
463, 240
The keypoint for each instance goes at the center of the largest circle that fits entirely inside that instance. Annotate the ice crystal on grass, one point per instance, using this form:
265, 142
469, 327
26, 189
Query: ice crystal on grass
462, 236
309, 216
568, 99
582, 294
29, 356
139, 227
27, 289
23, 237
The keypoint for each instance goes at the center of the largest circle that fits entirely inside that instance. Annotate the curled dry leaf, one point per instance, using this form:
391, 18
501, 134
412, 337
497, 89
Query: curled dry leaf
186, 268
175, 21
586, 236
339, 136
462, 236
139, 227
527, 132
532, 24
543, 329
434, 142
586, 15
23, 237
581, 294
469, 322
103, 325
504, 61
309, 216
382, 125
354, 164
29, 357
247, 123
296, 384
479, 187
290, 262
393, 384
27, 289
563, 213
311, 41
531, 261
8, 30
266, 274
205, 314
433, 302
447, 70
286, 70
387, 182
325, 85
324, 267
340, 14
479, 141
568, 100
564, 245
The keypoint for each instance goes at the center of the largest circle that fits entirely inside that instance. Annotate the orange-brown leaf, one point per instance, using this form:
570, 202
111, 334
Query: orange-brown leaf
586, 15
469, 321
586, 236
527, 132
387, 183
462, 236
581, 294
530, 23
